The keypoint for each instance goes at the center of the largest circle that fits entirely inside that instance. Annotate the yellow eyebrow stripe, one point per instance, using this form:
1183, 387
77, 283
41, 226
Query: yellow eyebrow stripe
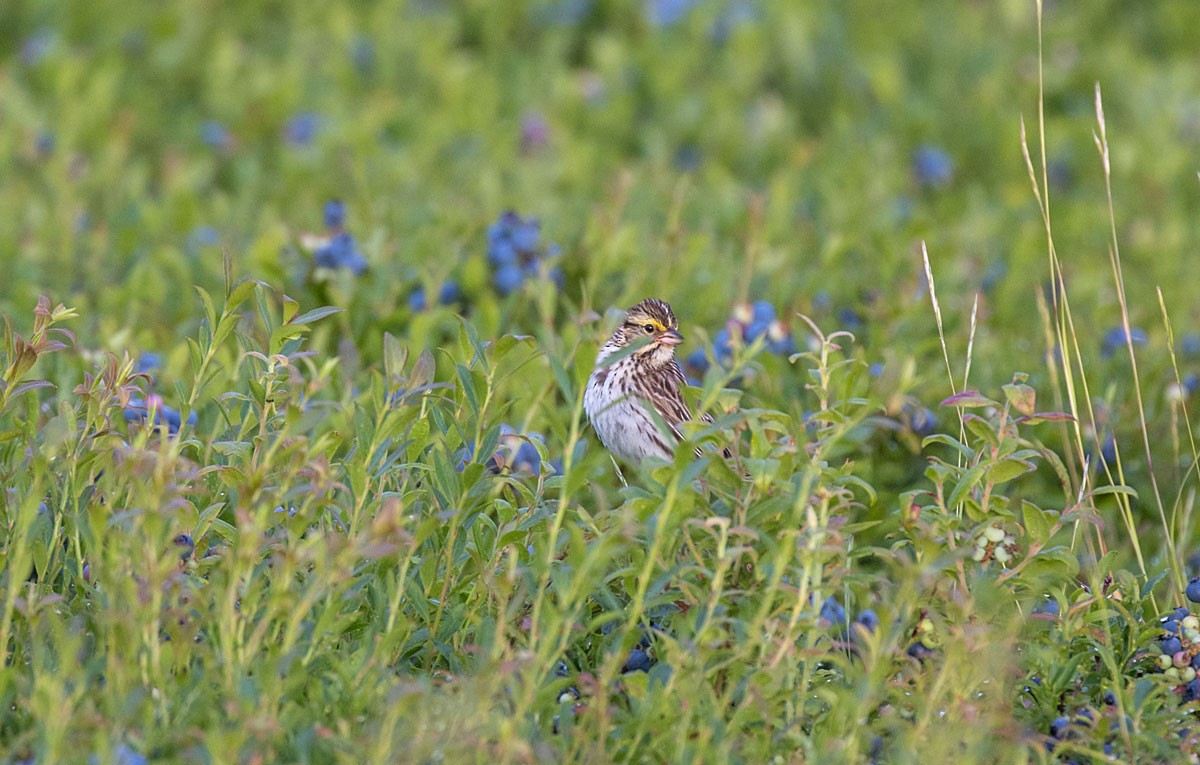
639, 323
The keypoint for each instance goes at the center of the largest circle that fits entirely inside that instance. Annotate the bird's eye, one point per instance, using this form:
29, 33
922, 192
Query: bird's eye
648, 327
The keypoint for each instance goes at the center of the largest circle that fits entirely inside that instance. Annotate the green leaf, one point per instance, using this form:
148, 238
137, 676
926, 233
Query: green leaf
290, 307
948, 440
240, 294
968, 482
209, 310
315, 314
1128, 491
1038, 523
423, 370
1006, 470
982, 430
395, 356
1054, 561
868, 489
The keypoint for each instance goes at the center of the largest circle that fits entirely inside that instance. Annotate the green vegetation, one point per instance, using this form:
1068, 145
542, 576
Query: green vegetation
257, 510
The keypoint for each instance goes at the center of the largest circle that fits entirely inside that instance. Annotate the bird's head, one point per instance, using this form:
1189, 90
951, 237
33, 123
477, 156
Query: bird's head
653, 326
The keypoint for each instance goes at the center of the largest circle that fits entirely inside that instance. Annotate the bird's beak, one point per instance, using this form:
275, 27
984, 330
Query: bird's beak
670, 337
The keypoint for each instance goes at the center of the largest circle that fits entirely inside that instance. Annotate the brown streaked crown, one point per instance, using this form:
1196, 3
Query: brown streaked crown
652, 311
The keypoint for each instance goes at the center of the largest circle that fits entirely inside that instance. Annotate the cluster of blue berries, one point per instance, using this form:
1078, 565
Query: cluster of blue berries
450, 294
1115, 340
515, 453
747, 324
639, 659
340, 250
152, 408
833, 614
1178, 647
516, 253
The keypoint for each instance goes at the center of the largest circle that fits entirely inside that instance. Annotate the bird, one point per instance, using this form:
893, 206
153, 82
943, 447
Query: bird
634, 396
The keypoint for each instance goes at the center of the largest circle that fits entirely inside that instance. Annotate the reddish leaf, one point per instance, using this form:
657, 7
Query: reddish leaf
1037, 417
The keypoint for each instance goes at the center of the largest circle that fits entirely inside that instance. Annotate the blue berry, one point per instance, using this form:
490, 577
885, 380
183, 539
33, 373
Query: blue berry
763, 311
302, 128
784, 346
362, 55
1059, 727
1193, 590
922, 421
1059, 174
1115, 338
1049, 606
736, 13
1190, 345
688, 158
185, 542
1192, 691
525, 234
810, 421
508, 279
124, 755
202, 236
335, 214
694, 366
1171, 627
756, 329
867, 618
723, 346
213, 134
527, 459
417, 301
638, 661
502, 253
139, 411
849, 319
172, 419
1171, 645
919, 650
667, 13
341, 252
932, 167
37, 46
533, 268
876, 369
832, 611
1108, 451
148, 363
993, 276
44, 143
450, 293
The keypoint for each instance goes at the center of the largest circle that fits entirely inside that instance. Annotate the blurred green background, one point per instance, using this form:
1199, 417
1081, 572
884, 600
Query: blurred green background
140, 139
